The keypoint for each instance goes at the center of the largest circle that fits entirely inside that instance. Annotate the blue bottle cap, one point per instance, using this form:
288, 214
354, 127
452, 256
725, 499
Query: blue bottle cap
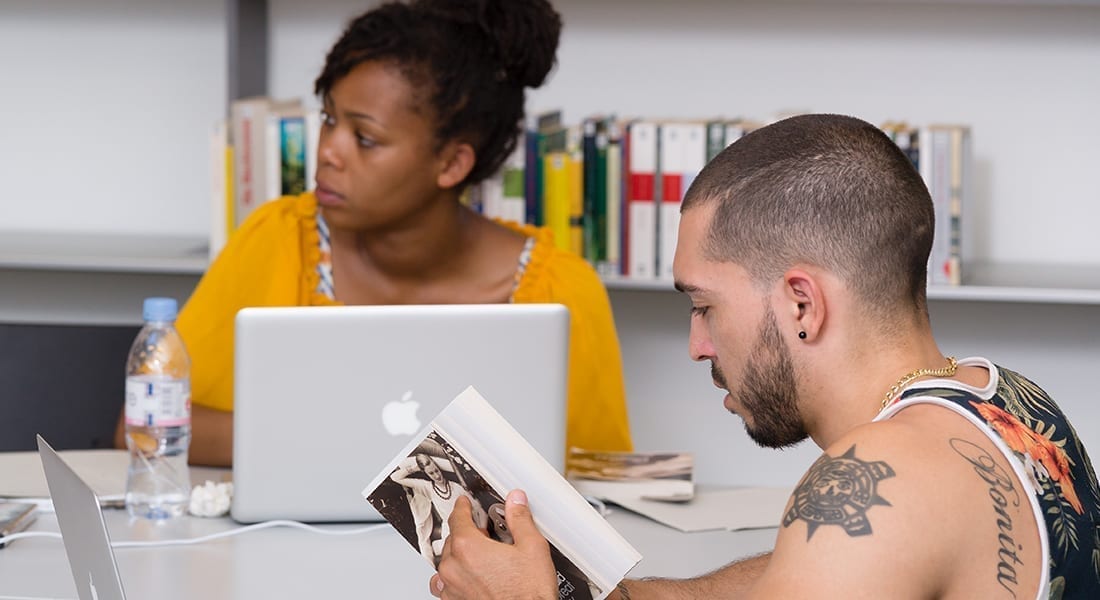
159, 309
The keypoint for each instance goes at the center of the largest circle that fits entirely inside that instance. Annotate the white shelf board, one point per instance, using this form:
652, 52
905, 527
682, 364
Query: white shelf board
984, 282
122, 253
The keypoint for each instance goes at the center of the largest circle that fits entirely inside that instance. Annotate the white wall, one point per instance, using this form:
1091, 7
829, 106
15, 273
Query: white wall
107, 106
110, 101
1024, 77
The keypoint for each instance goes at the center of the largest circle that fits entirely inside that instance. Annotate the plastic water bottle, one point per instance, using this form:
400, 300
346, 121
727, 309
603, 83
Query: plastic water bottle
158, 416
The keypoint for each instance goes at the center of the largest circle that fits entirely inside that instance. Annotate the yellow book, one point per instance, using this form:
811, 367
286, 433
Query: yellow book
575, 173
555, 196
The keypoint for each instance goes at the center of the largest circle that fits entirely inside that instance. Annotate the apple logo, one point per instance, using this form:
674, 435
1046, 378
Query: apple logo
399, 417
91, 587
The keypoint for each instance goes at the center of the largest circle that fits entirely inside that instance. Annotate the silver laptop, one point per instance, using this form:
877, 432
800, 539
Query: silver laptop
83, 530
325, 397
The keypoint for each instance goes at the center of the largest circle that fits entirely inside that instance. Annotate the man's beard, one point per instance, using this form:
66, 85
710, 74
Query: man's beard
768, 392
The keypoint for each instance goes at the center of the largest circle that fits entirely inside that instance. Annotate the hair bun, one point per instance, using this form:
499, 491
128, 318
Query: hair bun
523, 33
526, 34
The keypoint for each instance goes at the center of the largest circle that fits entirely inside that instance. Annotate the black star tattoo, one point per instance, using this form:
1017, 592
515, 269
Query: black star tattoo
838, 491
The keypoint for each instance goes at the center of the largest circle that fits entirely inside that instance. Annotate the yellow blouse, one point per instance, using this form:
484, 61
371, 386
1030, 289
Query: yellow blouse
272, 261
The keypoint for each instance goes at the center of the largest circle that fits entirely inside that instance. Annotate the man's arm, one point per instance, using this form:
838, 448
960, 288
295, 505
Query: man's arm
729, 581
211, 436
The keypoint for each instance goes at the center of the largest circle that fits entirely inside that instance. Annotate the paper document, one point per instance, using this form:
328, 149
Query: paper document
715, 508
21, 474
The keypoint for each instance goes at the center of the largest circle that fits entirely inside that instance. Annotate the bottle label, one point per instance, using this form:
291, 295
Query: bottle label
158, 402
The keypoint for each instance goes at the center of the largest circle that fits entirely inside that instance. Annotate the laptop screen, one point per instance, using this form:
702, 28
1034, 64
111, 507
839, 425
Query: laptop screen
326, 396
83, 530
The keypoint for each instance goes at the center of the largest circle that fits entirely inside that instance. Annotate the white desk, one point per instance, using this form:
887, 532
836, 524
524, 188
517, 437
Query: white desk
292, 563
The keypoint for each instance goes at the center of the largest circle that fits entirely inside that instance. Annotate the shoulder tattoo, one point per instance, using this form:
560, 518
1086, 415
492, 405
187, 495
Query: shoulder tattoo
839, 491
1006, 499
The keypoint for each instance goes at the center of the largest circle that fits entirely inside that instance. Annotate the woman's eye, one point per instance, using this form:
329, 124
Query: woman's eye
699, 310
327, 119
365, 141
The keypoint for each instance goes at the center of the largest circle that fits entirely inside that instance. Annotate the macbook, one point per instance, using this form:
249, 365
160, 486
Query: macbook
325, 397
83, 530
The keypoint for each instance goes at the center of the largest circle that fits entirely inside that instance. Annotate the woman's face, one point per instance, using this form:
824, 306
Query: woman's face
376, 159
431, 469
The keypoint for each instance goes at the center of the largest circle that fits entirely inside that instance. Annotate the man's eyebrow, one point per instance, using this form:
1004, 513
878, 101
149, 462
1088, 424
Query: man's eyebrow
686, 288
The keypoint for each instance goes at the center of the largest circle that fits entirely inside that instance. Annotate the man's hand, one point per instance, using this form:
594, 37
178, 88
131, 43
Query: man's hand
475, 566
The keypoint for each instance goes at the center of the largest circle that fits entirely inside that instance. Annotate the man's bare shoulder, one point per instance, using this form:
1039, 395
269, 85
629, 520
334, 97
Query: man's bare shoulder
907, 507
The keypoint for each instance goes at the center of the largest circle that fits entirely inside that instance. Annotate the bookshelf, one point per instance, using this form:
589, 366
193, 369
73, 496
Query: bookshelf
985, 282
1012, 69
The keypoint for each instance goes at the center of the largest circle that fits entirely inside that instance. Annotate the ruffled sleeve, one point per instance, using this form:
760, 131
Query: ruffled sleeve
261, 265
597, 413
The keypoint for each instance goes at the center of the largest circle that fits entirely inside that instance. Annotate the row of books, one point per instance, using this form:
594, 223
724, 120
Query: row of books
265, 149
610, 189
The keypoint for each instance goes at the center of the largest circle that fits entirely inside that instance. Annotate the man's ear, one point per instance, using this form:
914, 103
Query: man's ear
457, 160
805, 300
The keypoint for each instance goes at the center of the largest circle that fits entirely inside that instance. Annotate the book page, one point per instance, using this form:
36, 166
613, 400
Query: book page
418, 496
470, 450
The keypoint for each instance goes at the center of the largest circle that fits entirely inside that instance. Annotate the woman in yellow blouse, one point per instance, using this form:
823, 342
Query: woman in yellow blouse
421, 100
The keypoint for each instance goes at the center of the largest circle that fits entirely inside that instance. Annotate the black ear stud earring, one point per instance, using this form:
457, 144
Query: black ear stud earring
801, 335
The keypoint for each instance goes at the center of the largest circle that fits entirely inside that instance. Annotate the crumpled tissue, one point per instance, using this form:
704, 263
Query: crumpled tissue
211, 499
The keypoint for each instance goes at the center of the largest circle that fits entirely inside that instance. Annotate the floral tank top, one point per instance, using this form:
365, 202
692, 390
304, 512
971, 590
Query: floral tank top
1049, 459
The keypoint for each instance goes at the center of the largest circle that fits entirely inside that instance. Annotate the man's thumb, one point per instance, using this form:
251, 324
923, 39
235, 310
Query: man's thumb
518, 515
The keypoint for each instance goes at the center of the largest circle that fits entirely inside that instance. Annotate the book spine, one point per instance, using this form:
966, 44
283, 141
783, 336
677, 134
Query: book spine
939, 262
513, 198
313, 140
242, 115
716, 138
613, 226
687, 157
960, 168
588, 189
575, 172
221, 216
555, 205
671, 166
272, 167
641, 204
531, 174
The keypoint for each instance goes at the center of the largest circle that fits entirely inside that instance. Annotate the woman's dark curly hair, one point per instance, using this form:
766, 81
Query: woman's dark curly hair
474, 58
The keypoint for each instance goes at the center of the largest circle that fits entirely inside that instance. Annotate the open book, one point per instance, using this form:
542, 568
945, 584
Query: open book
470, 450
616, 475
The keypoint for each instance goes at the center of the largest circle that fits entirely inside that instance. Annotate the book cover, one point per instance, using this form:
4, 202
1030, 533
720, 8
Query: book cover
470, 450
292, 146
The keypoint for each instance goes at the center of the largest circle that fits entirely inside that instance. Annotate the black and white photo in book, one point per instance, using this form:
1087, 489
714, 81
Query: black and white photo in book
419, 494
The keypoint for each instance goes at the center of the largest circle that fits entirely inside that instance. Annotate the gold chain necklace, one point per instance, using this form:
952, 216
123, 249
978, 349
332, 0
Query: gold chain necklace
948, 371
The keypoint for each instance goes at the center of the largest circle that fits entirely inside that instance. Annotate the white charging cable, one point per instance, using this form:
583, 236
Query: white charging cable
206, 538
